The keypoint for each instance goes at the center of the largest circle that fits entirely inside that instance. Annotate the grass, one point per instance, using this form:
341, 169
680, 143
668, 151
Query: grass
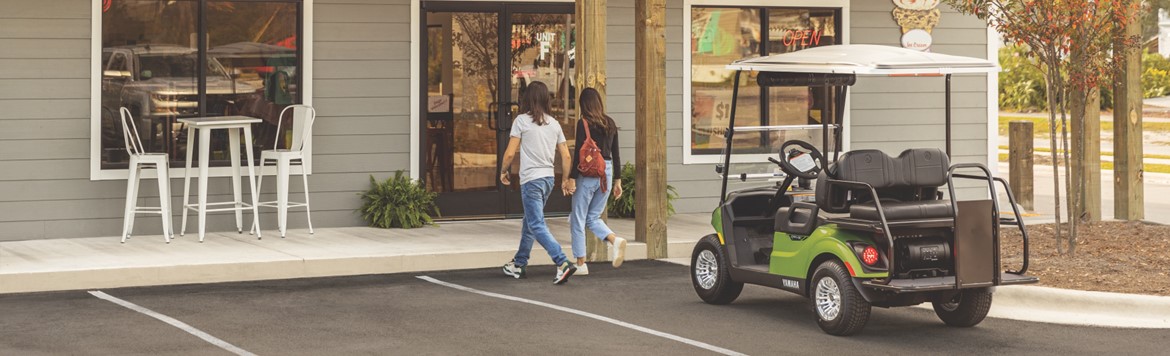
1040, 125
1106, 165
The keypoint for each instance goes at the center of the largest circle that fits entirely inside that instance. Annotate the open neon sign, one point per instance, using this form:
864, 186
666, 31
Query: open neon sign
802, 37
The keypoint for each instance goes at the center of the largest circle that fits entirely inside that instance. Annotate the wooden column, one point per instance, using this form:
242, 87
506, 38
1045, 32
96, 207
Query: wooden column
590, 21
1128, 192
650, 134
1020, 159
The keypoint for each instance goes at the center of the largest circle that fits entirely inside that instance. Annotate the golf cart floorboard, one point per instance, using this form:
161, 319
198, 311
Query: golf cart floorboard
944, 283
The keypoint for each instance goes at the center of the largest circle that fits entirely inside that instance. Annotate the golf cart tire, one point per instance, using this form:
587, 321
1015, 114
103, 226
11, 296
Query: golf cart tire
971, 308
724, 290
853, 311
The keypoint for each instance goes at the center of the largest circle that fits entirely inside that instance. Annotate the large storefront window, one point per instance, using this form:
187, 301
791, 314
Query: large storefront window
721, 35
170, 59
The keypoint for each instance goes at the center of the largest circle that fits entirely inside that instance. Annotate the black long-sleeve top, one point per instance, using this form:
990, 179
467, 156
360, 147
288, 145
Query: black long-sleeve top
610, 150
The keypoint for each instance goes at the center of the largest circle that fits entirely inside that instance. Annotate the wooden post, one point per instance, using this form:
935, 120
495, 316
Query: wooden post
1020, 158
1128, 192
590, 22
650, 130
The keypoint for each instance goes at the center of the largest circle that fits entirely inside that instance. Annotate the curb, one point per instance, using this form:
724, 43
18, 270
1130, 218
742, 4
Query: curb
1076, 307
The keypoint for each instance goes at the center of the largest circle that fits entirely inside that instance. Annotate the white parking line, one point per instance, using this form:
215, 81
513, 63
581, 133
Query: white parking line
681, 339
174, 322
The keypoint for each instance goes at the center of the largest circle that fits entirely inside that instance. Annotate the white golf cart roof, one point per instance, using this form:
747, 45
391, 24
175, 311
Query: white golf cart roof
863, 59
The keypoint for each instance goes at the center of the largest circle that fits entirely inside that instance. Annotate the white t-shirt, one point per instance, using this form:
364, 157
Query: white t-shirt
538, 146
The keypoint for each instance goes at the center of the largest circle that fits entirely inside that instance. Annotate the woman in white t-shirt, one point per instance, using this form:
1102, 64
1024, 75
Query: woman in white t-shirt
537, 136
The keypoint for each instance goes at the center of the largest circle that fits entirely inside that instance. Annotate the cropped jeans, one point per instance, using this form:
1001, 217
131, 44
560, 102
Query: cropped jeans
534, 195
588, 204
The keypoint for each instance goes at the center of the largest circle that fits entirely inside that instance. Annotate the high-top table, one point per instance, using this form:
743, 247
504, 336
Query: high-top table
204, 126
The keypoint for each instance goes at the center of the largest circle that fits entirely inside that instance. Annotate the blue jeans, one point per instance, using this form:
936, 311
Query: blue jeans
588, 204
534, 195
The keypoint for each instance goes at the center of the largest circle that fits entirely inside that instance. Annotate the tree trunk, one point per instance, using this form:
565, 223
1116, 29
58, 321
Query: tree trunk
589, 19
1053, 82
650, 95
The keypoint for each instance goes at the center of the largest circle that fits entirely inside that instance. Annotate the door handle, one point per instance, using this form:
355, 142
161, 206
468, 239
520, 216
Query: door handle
493, 110
511, 115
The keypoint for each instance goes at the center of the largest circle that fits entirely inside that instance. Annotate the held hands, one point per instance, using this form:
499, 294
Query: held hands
568, 186
617, 189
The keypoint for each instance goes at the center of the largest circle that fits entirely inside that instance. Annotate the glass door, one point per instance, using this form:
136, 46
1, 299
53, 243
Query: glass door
480, 58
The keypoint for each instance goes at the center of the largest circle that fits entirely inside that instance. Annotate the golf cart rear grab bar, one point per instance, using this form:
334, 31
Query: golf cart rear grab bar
951, 175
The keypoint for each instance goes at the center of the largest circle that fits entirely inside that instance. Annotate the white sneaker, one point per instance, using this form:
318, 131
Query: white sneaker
582, 270
617, 252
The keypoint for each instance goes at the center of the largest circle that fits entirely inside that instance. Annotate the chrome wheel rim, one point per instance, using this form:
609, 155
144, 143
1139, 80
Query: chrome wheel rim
706, 269
828, 299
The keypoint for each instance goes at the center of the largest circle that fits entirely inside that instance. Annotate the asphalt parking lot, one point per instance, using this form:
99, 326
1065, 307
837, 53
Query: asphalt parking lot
643, 308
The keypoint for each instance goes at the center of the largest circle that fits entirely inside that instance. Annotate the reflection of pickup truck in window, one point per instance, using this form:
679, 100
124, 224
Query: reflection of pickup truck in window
158, 83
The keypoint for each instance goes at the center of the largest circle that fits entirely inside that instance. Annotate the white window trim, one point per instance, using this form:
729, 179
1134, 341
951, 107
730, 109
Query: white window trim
689, 158
95, 102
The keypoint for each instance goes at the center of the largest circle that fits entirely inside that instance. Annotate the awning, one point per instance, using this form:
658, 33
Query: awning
865, 60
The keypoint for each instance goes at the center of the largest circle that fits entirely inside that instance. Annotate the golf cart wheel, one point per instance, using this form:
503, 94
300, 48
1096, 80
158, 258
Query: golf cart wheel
840, 308
710, 275
966, 309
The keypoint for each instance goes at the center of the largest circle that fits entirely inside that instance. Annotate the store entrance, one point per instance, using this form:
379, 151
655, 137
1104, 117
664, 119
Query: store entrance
480, 56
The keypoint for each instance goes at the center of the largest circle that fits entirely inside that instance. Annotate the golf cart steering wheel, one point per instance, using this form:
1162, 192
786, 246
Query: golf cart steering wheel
803, 164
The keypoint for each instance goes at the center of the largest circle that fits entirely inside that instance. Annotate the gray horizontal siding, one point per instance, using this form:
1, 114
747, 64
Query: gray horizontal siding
361, 91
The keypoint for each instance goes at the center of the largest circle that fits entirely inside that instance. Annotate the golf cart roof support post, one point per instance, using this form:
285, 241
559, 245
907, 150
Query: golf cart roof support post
839, 121
730, 133
949, 115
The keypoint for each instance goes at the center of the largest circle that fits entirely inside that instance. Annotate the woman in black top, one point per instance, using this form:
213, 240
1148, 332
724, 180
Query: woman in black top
589, 196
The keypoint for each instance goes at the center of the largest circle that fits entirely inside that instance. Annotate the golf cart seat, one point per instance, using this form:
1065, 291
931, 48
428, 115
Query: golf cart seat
907, 185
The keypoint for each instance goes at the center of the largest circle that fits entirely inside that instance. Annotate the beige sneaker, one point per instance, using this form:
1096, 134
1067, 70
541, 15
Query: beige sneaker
582, 270
617, 252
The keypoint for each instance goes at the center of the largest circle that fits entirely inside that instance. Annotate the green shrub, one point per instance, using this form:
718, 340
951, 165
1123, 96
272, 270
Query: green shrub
1021, 83
1155, 75
624, 207
398, 202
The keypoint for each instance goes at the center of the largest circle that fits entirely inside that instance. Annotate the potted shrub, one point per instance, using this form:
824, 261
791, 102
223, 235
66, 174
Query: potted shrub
624, 207
398, 202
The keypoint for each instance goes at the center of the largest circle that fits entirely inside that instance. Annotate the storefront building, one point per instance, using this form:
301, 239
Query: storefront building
424, 87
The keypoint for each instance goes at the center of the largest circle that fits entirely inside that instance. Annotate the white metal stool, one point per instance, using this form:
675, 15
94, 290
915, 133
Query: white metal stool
140, 159
302, 134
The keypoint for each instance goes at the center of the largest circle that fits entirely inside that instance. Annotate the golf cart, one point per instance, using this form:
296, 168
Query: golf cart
877, 230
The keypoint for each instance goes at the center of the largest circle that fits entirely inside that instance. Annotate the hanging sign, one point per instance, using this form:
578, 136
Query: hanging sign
917, 18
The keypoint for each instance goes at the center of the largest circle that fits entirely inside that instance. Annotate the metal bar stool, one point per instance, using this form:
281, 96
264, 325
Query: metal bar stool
302, 134
140, 159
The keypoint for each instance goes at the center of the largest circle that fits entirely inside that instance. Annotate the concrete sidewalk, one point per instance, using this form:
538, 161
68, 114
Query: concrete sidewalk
103, 262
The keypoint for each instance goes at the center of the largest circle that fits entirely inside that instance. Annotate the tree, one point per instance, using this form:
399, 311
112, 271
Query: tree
1070, 40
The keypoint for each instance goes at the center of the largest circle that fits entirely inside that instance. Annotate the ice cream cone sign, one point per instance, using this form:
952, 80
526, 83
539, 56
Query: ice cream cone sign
917, 19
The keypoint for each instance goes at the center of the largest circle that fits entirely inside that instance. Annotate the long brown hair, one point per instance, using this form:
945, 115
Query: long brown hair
535, 102
593, 110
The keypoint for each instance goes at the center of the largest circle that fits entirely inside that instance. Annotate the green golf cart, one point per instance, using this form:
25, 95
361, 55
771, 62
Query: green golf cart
877, 230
